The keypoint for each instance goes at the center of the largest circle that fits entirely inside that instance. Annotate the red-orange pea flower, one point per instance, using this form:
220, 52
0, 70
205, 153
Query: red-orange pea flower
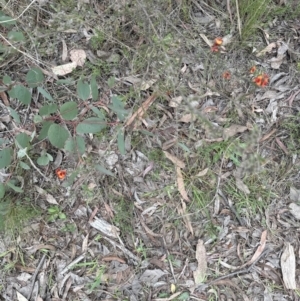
60, 173
226, 75
252, 69
218, 41
214, 48
261, 80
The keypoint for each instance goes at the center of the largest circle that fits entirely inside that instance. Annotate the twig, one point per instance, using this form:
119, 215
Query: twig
237, 272
36, 168
35, 275
135, 259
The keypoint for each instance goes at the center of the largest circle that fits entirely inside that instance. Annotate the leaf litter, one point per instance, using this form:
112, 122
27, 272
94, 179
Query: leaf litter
149, 220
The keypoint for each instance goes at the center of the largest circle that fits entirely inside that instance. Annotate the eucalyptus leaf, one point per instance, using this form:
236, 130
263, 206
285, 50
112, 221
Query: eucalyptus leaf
91, 125
104, 170
121, 142
5, 157
14, 115
14, 187
2, 190
94, 89
45, 93
83, 90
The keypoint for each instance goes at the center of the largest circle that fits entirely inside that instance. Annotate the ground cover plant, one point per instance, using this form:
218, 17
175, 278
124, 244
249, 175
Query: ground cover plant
149, 150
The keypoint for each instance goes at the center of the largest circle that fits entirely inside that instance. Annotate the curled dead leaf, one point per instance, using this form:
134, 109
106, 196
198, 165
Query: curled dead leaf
199, 274
288, 267
78, 56
180, 184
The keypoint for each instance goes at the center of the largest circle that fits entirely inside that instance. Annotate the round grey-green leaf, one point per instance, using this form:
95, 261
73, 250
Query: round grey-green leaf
75, 145
57, 135
46, 110
34, 77
69, 110
15, 36
5, 157
21, 93
23, 140
91, 125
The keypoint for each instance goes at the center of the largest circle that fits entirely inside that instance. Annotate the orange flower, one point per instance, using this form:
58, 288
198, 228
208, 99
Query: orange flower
261, 80
252, 69
61, 173
214, 48
226, 75
218, 41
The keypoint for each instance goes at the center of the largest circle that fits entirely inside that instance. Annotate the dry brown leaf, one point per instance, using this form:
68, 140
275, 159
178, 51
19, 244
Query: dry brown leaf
295, 210
21, 297
242, 186
175, 101
269, 48
85, 243
187, 118
186, 217
282, 146
174, 160
64, 69
288, 266
145, 85
202, 173
64, 54
4, 98
200, 273
180, 184
206, 40
50, 199
141, 110
78, 56
233, 130
260, 249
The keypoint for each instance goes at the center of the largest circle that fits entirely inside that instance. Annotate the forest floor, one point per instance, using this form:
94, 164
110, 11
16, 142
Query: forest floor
191, 191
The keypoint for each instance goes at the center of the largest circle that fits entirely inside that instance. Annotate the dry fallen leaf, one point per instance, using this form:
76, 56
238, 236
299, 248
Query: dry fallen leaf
185, 217
187, 118
180, 184
294, 194
202, 173
64, 69
295, 210
64, 54
242, 186
175, 101
141, 110
262, 246
21, 297
269, 48
199, 274
288, 266
206, 40
145, 85
233, 130
174, 160
78, 56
